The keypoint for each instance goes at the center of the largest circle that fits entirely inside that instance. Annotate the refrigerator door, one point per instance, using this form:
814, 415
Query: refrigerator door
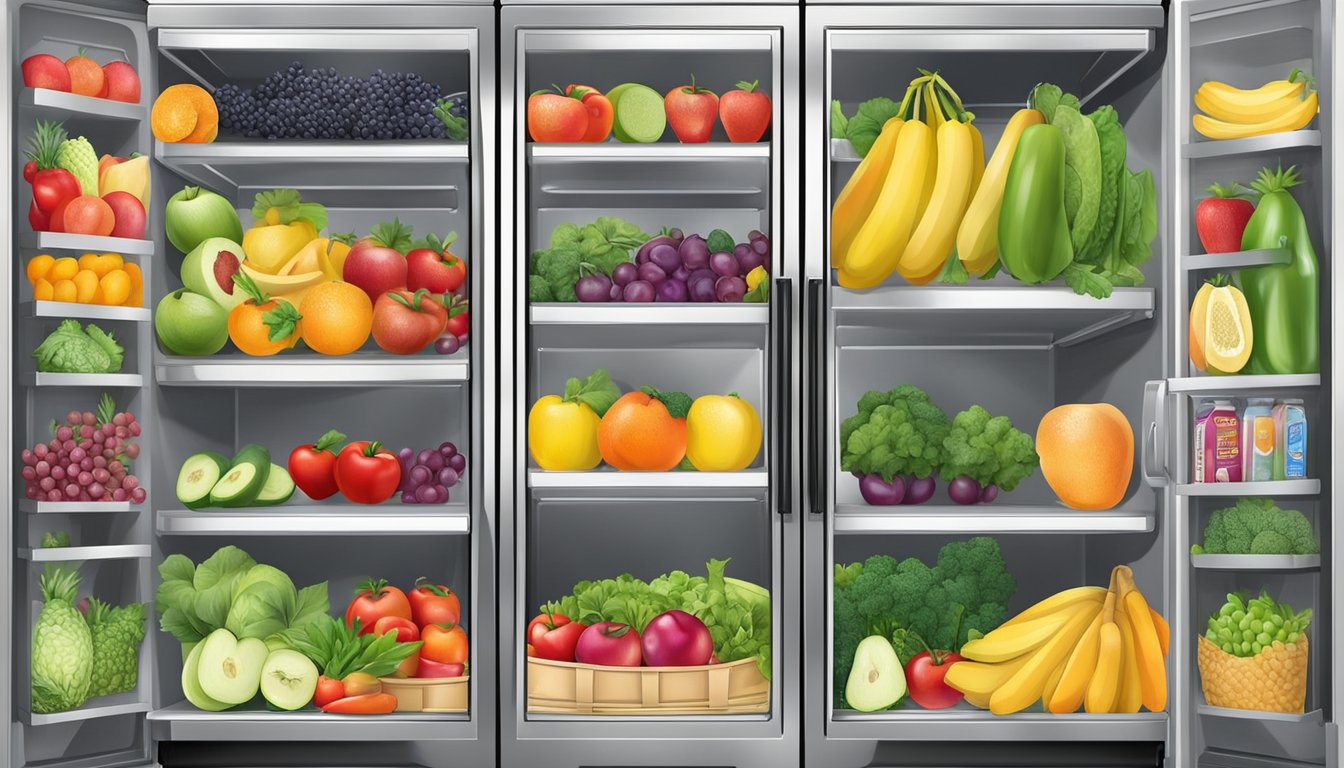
567, 526
1018, 350
1246, 45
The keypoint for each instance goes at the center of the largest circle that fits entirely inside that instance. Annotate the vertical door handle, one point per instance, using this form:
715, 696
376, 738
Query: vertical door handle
817, 400
1153, 440
782, 331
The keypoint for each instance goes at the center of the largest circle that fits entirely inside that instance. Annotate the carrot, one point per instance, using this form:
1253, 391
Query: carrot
366, 704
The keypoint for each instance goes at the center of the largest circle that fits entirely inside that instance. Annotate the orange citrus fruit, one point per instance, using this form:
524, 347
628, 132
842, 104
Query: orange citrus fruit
337, 318
1087, 454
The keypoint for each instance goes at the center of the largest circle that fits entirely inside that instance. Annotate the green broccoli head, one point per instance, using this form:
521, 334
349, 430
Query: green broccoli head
560, 267
538, 290
899, 432
1258, 527
988, 449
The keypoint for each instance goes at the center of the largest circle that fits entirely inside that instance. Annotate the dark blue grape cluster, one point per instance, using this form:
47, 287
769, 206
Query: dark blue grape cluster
322, 104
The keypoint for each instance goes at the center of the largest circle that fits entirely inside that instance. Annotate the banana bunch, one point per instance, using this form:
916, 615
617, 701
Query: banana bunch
1275, 107
1100, 649
902, 207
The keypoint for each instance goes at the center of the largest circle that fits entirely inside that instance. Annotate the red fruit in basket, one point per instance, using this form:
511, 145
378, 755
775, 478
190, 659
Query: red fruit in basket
745, 113
313, 466
375, 600
407, 631
375, 264
432, 266
556, 117
609, 644
1220, 220
433, 604
691, 111
676, 639
128, 214
43, 70
553, 636
600, 112
430, 668
121, 82
367, 473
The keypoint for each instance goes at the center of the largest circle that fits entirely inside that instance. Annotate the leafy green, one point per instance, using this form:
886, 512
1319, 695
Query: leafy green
289, 206
1047, 97
720, 242
70, 349
678, 404
1111, 139
838, 120
117, 633
966, 591
338, 650
599, 247
863, 128
1085, 281
899, 432
456, 126
988, 449
54, 540
1082, 173
1257, 527
760, 294
597, 391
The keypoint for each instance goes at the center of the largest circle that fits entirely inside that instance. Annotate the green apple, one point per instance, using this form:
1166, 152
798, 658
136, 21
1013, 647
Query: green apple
195, 215
876, 681
209, 270
229, 668
288, 679
191, 324
191, 683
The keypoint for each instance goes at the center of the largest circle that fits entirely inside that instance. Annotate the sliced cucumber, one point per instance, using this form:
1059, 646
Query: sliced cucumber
277, 489
241, 484
642, 117
614, 96
198, 475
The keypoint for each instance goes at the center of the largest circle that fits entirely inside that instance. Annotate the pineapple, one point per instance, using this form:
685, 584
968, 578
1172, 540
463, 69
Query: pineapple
62, 645
45, 144
117, 633
77, 157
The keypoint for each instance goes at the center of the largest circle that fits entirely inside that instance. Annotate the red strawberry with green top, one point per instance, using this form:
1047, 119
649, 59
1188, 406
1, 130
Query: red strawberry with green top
745, 113
1221, 219
691, 110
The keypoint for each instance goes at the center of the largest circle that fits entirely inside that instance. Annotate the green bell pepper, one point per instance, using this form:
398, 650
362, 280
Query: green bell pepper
1283, 298
1034, 242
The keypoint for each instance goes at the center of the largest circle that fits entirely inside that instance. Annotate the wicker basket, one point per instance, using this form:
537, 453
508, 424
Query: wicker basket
428, 694
1274, 680
558, 687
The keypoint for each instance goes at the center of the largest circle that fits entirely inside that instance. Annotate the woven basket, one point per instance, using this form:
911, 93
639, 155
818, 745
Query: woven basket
428, 694
1274, 680
558, 687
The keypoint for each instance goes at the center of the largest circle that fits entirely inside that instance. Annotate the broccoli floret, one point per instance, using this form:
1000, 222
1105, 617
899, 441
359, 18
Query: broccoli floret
565, 234
538, 290
896, 432
560, 267
988, 449
1258, 527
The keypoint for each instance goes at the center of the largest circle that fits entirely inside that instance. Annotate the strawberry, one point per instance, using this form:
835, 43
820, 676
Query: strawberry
1221, 219
745, 113
691, 111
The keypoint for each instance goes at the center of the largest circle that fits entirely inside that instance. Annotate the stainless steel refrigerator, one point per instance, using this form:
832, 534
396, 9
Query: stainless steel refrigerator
223, 401
1022, 349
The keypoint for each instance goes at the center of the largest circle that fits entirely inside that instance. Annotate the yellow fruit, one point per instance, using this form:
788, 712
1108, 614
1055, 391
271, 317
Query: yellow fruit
43, 290
1228, 334
1078, 669
86, 286
1129, 699
314, 257
935, 236
292, 286
1009, 642
1087, 454
38, 267
1058, 601
268, 247
1297, 116
1147, 648
1238, 105
1051, 685
978, 234
723, 433
64, 290
64, 268
562, 434
136, 299
131, 176
87, 261
977, 160
337, 318
856, 200
1163, 631
1199, 312
1104, 685
116, 287
755, 277
975, 678
1026, 686
878, 246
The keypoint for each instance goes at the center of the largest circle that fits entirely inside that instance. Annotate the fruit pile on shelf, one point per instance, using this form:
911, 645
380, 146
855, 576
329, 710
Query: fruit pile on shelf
81, 75
637, 114
1278, 106
93, 278
75, 191
88, 458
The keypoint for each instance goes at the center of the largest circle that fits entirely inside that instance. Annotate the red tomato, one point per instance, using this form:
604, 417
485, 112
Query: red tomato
407, 631
544, 622
329, 689
600, 111
405, 323
313, 466
444, 643
434, 267
367, 473
373, 601
556, 117
925, 677
434, 604
459, 322
691, 111
553, 636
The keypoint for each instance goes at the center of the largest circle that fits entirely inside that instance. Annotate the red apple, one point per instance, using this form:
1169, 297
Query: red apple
375, 263
609, 644
676, 639
121, 82
128, 213
430, 668
43, 70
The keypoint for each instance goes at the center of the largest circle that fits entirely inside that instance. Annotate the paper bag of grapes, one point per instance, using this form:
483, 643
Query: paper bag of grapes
1254, 656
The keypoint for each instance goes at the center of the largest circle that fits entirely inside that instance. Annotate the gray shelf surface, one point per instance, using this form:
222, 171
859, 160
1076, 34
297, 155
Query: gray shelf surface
613, 479
617, 151
307, 370
1307, 487
183, 722
104, 706
32, 507
317, 519
1253, 145
987, 518
64, 241
1256, 562
1206, 710
73, 554
73, 310
966, 723
40, 379
1256, 384
649, 314
1197, 262
49, 104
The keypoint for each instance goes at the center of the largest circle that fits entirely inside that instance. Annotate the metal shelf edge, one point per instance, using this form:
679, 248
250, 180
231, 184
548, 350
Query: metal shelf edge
1256, 562
64, 241
70, 309
597, 480
1237, 259
653, 314
1252, 145
861, 519
1309, 487
1241, 383
296, 522
72, 554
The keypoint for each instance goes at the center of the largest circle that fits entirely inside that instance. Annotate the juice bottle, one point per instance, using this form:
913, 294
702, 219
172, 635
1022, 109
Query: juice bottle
1290, 426
1262, 450
1218, 445
1255, 407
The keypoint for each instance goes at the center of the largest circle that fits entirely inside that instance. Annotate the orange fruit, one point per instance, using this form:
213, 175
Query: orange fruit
43, 290
249, 332
136, 299
1087, 454
337, 318
116, 287
63, 268
39, 266
86, 287
638, 433
89, 215
64, 290
184, 113
86, 77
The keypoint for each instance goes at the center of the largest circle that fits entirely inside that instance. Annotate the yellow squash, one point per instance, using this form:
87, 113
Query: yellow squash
856, 200
978, 235
562, 436
723, 433
878, 246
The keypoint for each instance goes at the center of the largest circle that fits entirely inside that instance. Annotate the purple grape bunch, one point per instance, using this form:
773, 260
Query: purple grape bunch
427, 475
87, 459
677, 268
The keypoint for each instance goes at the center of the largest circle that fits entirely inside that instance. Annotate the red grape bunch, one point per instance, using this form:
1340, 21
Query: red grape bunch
87, 459
426, 476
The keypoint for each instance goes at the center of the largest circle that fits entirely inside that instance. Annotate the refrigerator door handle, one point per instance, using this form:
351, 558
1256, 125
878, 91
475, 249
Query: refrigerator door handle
783, 402
817, 401
1154, 435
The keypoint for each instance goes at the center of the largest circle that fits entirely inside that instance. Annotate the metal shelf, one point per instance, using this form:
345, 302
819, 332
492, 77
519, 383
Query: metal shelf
64, 241
1308, 487
183, 722
610, 478
70, 309
40, 379
966, 723
1217, 384
947, 316
104, 706
618, 151
31, 507
649, 314
987, 518
1314, 716
1252, 145
72, 554
76, 110
842, 151
1256, 562
1202, 262
310, 370
317, 519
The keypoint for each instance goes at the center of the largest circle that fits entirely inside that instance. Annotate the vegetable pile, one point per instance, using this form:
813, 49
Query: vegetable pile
71, 349
1257, 527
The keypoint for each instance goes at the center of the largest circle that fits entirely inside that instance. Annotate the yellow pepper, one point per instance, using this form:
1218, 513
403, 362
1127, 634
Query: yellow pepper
562, 435
723, 433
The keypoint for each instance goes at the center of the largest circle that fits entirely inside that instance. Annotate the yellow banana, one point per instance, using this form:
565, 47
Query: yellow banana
1104, 686
929, 179
1130, 697
933, 108
1078, 669
1025, 687
1056, 602
974, 678
977, 160
1051, 685
882, 239
1236, 105
978, 235
977, 700
1163, 631
936, 235
1007, 643
855, 202
1147, 647
1296, 117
